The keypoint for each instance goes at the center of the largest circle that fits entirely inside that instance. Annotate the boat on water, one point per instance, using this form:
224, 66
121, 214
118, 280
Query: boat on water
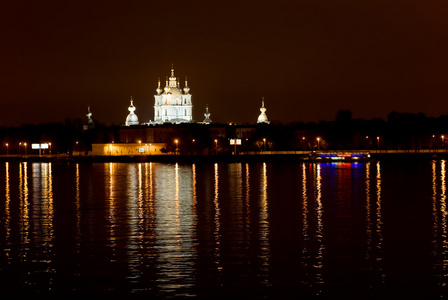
337, 157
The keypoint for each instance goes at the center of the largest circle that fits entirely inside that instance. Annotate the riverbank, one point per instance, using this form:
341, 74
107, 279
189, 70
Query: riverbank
240, 158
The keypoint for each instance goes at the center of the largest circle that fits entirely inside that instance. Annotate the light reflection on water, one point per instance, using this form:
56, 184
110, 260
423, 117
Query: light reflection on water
181, 230
439, 216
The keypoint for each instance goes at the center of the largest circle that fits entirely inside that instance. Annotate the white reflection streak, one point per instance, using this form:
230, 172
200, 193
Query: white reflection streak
24, 207
134, 215
264, 221
47, 196
216, 221
379, 221
176, 198
151, 194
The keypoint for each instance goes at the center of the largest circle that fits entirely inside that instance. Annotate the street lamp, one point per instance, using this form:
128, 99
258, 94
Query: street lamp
216, 146
25, 148
177, 145
378, 142
318, 143
443, 142
149, 147
49, 144
7, 148
264, 143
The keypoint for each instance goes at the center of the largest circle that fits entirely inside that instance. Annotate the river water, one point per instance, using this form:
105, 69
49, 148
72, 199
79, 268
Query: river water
259, 230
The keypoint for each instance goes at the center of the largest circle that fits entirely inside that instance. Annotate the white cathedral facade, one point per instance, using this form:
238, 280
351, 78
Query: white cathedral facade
173, 104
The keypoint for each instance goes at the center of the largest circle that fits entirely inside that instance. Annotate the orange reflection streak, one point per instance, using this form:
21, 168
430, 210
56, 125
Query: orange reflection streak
247, 204
304, 204
304, 217
368, 212
216, 220
434, 203
443, 218
7, 207
193, 170
195, 200
111, 207
78, 206
379, 221
48, 191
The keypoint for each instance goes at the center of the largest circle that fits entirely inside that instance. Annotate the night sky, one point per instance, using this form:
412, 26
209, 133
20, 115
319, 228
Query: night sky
309, 59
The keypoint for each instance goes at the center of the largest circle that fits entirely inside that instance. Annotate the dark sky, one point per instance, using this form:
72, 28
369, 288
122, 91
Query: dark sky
309, 59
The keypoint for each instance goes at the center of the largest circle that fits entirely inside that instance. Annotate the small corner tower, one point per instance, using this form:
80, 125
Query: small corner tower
90, 124
263, 118
207, 119
132, 118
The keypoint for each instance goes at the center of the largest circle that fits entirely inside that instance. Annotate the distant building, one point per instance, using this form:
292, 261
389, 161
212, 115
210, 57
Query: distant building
118, 149
132, 118
263, 118
171, 104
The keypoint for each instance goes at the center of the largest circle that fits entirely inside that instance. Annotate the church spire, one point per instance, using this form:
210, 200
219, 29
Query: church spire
263, 118
131, 108
173, 80
167, 86
158, 90
186, 88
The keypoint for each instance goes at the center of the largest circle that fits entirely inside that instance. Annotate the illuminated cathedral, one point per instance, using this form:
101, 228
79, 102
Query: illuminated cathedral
173, 104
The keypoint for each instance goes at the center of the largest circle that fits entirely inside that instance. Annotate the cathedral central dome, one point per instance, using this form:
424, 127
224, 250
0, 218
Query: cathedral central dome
175, 93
